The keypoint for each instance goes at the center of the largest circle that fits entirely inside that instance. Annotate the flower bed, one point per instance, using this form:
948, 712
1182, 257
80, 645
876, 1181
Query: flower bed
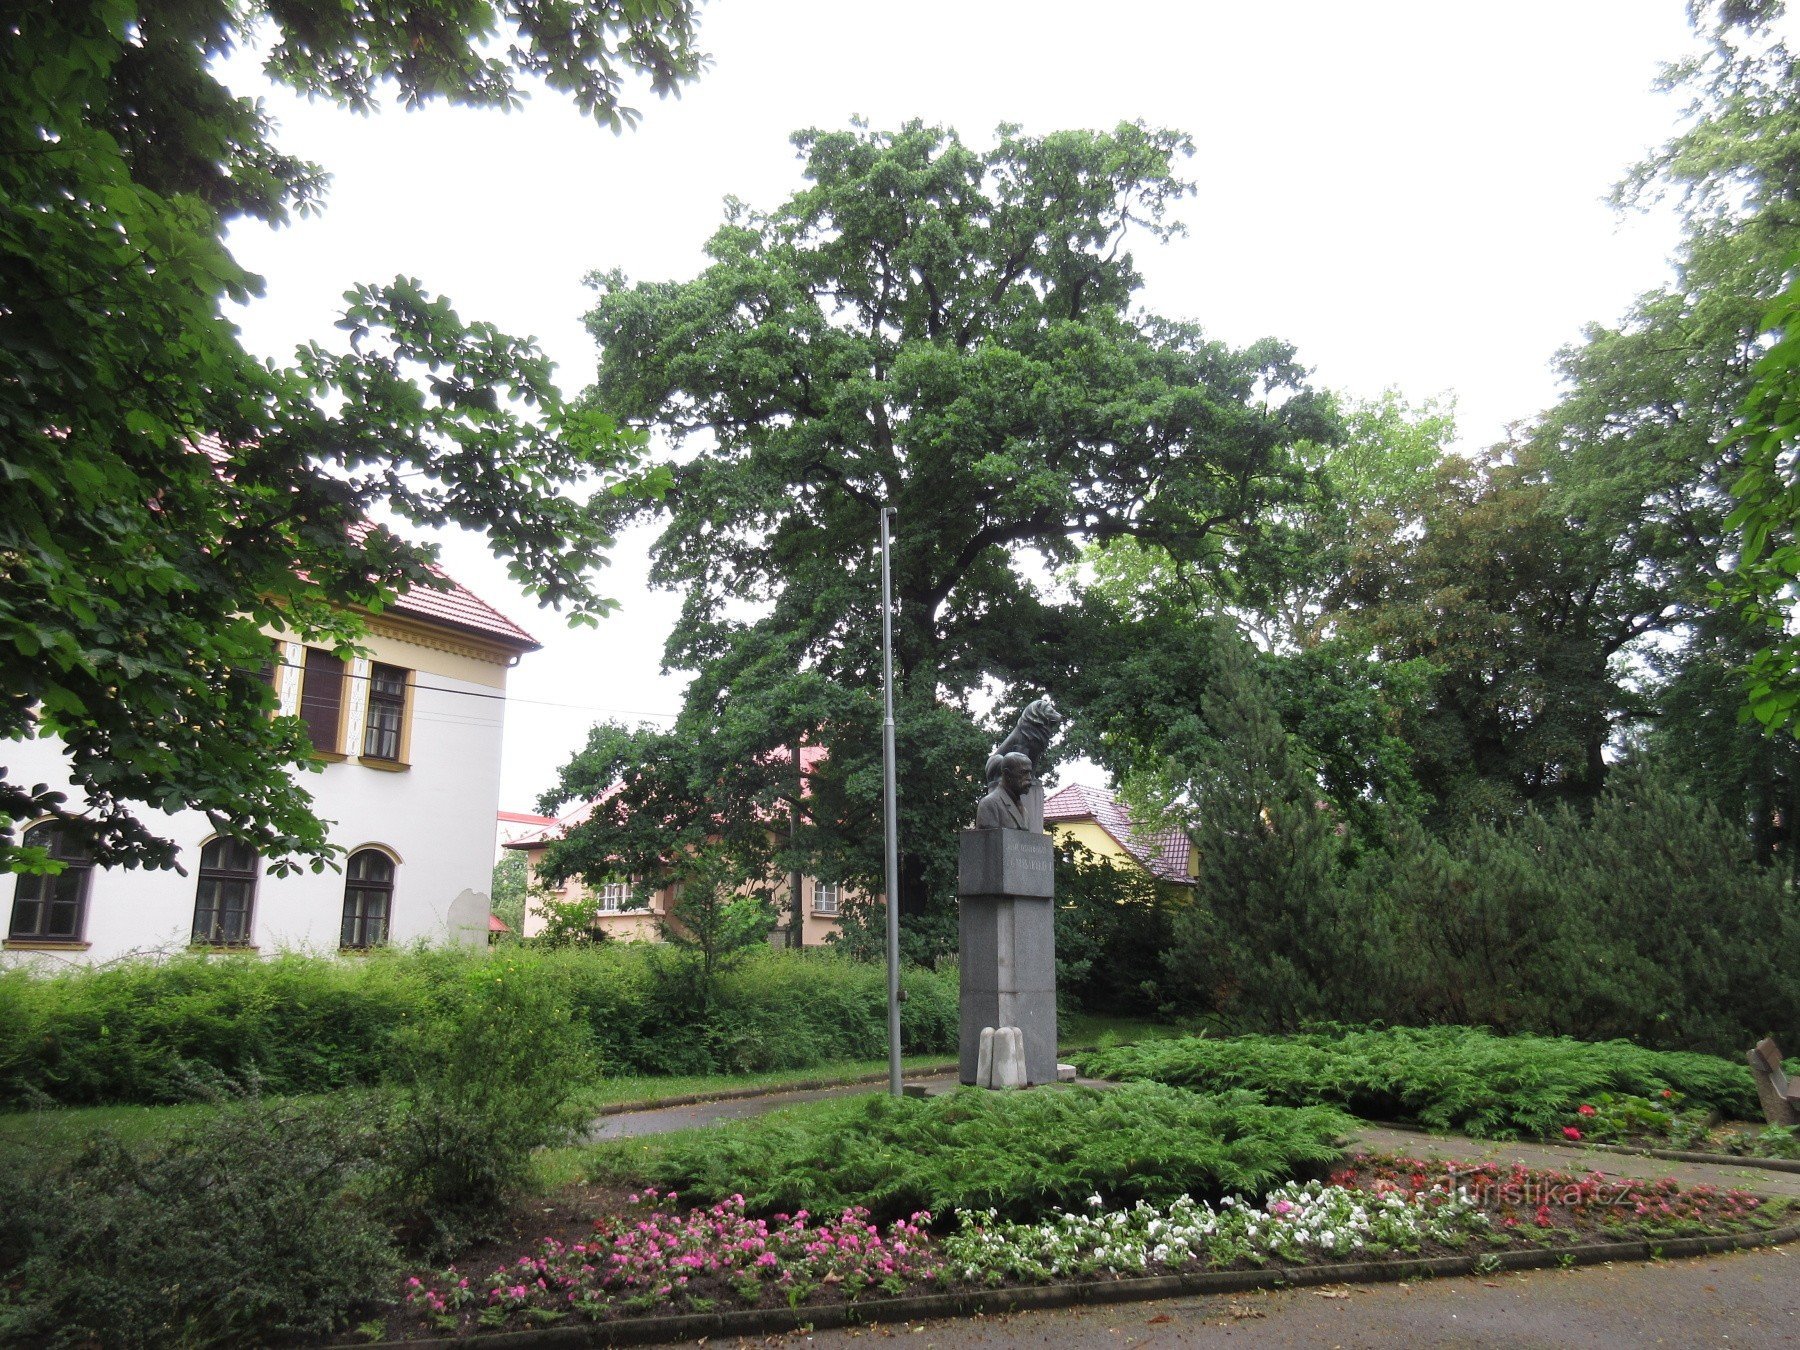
1665, 1121
661, 1259
650, 1257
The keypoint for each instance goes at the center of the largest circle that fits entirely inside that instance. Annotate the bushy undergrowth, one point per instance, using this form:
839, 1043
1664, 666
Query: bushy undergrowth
1449, 1078
483, 1088
265, 1220
1015, 1152
166, 1030
1646, 919
251, 1226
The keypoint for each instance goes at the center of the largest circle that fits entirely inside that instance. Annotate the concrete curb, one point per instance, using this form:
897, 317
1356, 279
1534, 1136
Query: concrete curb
1670, 1154
1683, 1155
774, 1321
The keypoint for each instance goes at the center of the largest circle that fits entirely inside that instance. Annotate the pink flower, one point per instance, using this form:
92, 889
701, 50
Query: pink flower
1570, 1132
1585, 1110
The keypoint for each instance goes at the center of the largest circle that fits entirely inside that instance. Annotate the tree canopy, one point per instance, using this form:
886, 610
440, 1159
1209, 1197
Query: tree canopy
949, 331
139, 570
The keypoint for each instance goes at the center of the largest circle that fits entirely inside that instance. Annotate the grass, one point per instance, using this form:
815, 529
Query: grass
57, 1134
1083, 1030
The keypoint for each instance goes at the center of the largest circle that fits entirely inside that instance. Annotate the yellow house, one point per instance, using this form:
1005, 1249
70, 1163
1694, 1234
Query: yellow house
821, 899
1095, 819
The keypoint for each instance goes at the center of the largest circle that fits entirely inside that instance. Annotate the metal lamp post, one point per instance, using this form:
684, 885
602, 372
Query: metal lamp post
890, 817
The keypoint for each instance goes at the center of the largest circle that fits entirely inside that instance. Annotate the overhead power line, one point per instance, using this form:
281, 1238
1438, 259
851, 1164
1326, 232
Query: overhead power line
511, 698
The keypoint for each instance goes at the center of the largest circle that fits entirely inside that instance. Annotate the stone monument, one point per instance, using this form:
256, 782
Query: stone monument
1006, 925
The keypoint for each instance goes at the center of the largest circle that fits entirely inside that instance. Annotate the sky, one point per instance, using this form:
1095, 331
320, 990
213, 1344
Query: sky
1414, 194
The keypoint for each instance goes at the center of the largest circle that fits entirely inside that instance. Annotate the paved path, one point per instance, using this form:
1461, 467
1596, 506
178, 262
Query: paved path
1746, 1299
664, 1119
1762, 1180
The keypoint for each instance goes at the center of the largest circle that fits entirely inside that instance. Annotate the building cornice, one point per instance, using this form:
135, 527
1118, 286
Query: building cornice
423, 633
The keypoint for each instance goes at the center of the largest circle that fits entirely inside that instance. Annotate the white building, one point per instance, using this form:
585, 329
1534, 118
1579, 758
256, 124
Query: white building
410, 738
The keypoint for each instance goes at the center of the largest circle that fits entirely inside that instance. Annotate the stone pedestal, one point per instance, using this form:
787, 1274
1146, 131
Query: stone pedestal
1008, 945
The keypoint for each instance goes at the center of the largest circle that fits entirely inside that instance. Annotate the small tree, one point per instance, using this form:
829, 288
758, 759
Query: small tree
1276, 933
506, 892
713, 921
567, 922
1113, 925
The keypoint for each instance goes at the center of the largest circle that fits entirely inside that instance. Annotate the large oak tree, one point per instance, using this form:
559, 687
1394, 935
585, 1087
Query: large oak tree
950, 331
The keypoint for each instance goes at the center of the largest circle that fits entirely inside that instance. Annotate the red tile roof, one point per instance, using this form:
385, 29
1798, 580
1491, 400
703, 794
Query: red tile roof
459, 607
1162, 853
523, 818
555, 829
455, 607
497, 925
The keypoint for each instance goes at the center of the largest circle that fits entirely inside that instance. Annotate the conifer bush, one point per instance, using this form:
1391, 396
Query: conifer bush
1018, 1152
1648, 921
1461, 1079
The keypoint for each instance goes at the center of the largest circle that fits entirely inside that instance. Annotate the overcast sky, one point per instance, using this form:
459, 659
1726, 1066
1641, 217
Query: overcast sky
1412, 193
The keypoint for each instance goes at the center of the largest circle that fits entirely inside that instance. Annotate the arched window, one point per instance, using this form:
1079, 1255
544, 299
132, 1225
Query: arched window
227, 891
52, 909
368, 898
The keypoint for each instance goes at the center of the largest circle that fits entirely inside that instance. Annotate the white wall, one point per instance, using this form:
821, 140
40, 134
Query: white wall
436, 817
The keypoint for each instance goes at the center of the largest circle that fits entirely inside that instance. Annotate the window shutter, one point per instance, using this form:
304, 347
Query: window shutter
322, 699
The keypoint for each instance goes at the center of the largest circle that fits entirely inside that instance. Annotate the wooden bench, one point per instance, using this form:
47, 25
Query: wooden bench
1780, 1095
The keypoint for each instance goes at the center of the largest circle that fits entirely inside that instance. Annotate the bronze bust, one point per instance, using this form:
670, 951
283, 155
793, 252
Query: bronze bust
1014, 799
1007, 804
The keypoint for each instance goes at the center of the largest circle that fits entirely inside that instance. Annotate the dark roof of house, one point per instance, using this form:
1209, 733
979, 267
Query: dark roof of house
1162, 853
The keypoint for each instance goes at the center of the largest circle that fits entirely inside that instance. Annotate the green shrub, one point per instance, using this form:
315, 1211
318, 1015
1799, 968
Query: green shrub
1446, 1078
1648, 920
1113, 924
485, 1086
151, 1030
245, 1228
1018, 1152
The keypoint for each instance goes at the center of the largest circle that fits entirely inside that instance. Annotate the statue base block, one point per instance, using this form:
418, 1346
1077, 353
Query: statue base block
1008, 947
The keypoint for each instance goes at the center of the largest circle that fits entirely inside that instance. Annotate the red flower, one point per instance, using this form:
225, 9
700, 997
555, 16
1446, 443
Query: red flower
1668, 1093
1570, 1132
1584, 1110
